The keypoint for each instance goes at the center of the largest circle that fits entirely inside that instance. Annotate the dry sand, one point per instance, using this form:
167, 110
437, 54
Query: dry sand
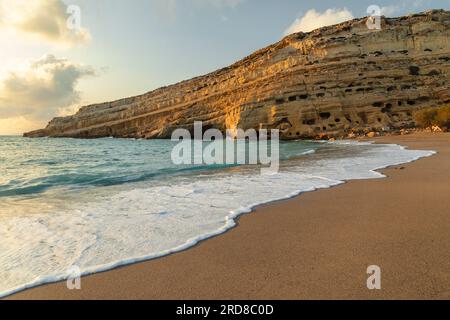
315, 246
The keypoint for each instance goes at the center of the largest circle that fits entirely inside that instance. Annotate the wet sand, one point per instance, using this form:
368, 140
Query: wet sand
315, 246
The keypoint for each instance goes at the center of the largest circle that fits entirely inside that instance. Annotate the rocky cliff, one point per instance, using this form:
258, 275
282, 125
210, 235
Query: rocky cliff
329, 82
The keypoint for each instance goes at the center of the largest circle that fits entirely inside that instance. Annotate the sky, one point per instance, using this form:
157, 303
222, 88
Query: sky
58, 55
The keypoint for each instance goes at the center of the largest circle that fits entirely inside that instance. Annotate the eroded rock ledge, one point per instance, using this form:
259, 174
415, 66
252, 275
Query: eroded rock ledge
330, 82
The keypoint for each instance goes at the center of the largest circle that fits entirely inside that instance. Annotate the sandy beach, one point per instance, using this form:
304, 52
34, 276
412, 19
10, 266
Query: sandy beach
315, 246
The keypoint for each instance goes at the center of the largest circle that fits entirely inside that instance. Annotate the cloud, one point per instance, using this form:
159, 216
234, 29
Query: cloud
41, 89
45, 19
313, 20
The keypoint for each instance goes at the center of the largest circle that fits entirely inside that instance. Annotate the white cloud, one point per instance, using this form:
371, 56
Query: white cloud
313, 20
41, 89
45, 19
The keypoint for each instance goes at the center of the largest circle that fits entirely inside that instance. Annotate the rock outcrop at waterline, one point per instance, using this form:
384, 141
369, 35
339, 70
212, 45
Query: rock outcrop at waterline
329, 82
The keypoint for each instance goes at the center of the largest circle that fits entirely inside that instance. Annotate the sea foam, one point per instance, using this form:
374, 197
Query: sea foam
103, 228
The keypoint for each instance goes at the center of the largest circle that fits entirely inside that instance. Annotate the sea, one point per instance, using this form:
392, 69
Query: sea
94, 205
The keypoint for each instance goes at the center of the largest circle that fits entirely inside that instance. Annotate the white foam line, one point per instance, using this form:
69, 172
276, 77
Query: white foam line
312, 151
230, 222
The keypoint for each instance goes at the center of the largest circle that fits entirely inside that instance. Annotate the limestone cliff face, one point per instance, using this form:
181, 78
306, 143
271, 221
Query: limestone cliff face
327, 82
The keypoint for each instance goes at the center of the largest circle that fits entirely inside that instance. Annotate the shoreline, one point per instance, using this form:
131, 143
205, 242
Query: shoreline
99, 286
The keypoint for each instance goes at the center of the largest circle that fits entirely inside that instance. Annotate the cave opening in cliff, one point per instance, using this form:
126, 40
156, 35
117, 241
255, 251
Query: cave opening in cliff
310, 122
414, 70
325, 115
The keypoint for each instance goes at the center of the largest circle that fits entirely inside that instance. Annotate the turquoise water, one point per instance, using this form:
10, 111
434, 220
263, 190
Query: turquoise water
34, 166
98, 204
